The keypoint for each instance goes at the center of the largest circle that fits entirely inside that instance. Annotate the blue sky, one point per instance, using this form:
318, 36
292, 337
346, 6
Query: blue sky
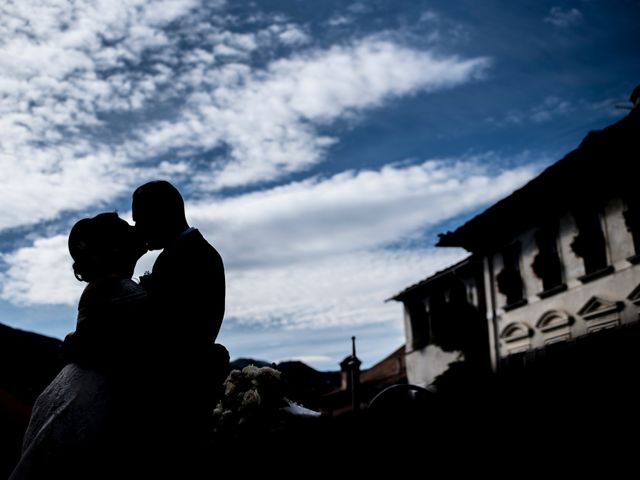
320, 146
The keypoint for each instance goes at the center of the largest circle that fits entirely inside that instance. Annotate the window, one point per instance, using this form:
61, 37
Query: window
590, 244
467, 326
509, 280
419, 324
438, 317
632, 220
546, 265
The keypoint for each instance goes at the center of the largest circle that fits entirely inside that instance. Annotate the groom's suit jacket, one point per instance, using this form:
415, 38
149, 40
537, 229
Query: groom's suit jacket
188, 289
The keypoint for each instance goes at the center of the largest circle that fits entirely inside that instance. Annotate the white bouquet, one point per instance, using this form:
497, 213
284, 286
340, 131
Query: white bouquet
254, 401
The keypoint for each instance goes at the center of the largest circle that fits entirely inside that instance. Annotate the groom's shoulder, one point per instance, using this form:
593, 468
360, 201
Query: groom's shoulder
191, 245
196, 239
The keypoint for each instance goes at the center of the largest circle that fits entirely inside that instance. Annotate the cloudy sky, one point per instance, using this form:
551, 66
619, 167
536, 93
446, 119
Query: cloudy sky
321, 146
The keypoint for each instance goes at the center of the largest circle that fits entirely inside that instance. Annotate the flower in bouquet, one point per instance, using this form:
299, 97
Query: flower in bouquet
253, 398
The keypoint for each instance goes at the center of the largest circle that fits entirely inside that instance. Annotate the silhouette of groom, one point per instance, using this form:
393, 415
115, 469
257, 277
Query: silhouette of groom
186, 289
188, 276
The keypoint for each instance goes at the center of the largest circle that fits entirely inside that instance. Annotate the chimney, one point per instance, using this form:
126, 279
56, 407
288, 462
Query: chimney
350, 372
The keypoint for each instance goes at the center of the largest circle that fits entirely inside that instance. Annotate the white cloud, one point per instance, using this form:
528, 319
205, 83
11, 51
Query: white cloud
561, 18
269, 119
39, 184
55, 86
550, 108
333, 298
291, 34
45, 182
347, 289
348, 212
311, 254
341, 290
95, 93
270, 124
56, 53
429, 16
40, 274
339, 20
73, 74
358, 7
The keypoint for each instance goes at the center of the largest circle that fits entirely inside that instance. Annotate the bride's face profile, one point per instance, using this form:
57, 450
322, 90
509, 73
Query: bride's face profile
104, 245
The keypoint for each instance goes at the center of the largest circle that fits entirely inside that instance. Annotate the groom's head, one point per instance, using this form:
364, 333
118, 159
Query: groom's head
158, 211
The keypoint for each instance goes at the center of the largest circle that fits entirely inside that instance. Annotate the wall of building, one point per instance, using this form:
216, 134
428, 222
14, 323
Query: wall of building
583, 307
425, 364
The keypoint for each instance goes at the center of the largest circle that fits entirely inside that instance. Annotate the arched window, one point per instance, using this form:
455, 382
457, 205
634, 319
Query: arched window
555, 326
517, 337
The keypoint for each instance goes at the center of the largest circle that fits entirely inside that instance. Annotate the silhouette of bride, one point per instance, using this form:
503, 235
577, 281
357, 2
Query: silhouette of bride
81, 425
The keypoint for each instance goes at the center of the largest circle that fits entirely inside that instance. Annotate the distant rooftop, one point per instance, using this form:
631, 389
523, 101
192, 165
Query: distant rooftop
442, 273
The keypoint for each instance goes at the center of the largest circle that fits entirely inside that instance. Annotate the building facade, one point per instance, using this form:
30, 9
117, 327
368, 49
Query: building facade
445, 321
554, 262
